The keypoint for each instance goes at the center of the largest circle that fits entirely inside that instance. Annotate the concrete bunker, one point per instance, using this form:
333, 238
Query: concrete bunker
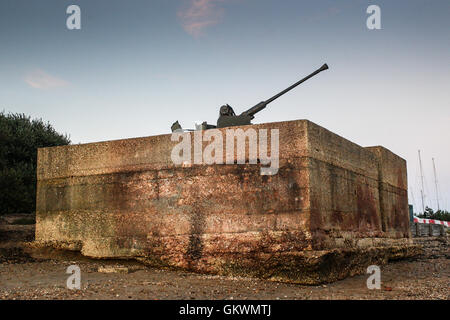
332, 209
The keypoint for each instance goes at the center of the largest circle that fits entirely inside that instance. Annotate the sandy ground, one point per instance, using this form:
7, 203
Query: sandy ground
44, 277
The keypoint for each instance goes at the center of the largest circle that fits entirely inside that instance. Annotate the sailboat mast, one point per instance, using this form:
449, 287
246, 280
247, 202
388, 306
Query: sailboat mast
421, 179
436, 184
413, 199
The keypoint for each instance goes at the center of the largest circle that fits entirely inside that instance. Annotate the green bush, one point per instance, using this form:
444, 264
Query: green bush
19, 139
429, 213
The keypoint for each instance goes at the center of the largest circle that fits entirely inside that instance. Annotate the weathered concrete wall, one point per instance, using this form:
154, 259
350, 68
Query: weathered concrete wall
393, 192
332, 209
428, 230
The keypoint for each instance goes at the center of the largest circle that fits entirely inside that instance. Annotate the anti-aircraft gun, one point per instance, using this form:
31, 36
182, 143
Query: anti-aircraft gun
227, 117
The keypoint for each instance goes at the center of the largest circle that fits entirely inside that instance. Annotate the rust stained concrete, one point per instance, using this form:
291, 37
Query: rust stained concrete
333, 208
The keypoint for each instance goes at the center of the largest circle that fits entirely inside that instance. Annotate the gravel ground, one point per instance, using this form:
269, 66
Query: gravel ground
44, 277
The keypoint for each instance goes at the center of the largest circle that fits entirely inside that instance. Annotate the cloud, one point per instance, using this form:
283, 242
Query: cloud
200, 14
39, 79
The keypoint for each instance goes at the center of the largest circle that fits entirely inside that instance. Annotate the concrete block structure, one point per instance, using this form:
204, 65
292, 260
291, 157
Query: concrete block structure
332, 209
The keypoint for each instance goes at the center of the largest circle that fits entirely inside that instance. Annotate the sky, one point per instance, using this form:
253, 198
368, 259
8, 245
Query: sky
136, 66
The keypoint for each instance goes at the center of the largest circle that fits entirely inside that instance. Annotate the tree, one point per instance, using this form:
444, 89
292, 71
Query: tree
20, 137
429, 213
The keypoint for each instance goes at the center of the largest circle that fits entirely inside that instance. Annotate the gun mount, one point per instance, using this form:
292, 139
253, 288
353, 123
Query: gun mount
228, 118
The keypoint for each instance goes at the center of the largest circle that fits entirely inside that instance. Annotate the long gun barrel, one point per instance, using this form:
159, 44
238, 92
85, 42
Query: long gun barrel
260, 106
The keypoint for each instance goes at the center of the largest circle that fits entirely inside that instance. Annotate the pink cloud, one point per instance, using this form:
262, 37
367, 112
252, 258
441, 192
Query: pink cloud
39, 79
200, 14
